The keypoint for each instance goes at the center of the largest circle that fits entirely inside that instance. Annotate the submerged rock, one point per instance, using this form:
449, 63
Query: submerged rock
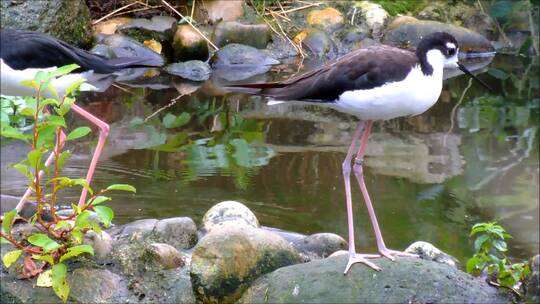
189, 45
429, 252
195, 70
328, 19
408, 33
226, 261
405, 280
159, 28
68, 20
255, 35
228, 213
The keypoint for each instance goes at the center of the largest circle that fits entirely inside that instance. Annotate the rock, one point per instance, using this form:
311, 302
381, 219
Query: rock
215, 10
399, 21
68, 20
102, 243
319, 245
317, 42
255, 35
87, 286
195, 70
374, 17
180, 232
144, 226
328, 19
108, 27
189, 45
532, 282
408, 34
122, 46
165, 255
431, 253
159, 28
228, 212
226, 261
405, 280
238, 62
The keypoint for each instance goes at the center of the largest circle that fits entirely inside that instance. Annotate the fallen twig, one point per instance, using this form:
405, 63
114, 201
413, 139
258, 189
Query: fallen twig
453, 113
170, 104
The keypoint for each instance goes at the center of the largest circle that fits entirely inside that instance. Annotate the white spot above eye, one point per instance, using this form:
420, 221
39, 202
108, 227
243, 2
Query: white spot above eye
450, 45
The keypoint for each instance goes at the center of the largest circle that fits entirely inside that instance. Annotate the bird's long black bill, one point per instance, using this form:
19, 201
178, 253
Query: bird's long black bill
464, 70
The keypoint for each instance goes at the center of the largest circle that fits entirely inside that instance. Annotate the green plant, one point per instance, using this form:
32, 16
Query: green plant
490, 247
45, 253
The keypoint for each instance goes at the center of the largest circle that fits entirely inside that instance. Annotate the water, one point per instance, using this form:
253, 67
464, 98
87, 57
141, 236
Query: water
430, 177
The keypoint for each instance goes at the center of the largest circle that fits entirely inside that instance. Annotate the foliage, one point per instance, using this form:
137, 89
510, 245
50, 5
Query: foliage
394, 7
490, 247
45, 254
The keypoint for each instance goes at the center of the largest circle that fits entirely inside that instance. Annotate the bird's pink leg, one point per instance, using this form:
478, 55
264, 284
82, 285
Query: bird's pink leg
358, 172
353, 256
59, 145
103, 133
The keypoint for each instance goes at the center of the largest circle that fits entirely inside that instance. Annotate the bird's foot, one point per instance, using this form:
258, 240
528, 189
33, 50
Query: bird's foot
361, 258
392, 254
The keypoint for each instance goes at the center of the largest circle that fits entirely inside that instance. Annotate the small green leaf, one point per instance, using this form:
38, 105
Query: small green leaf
30, 84
105, 214
47, 258
43, 241
83, 220
11, 257
500, 245
34, 158
28, 112
62, 158
78, 133
77, 235
122, 187
7, 221
63, 224
77, 250
59, 281
65, 106
10, 132
63, 70
75, 86
55, 120
479, 242
23, 169
172, 121
99, 200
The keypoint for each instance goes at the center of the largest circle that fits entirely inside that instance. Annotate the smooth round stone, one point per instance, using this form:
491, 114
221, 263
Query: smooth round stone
328, 19
317, 42
180, 232
374, 16
195, 70
123, 46
160, 28
238, 62
429, 252
165, 255
109, 26
228, 212
409, 34
320, 245
215, 10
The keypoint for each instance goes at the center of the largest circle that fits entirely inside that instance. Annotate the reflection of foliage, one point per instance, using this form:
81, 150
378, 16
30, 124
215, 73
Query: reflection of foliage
211, 140
490, 247
10, 112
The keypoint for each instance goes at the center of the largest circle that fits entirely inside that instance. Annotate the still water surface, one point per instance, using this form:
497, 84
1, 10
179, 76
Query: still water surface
431, 177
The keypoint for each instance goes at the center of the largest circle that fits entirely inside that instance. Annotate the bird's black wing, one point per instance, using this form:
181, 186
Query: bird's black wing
359, 70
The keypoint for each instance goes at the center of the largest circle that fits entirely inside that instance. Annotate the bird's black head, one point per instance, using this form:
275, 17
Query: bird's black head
440, 50
437, 50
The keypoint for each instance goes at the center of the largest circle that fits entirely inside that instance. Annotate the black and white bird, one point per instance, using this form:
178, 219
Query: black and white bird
25, 53
376, 83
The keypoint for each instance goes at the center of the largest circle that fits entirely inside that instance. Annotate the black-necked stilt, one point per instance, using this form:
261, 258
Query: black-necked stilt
24, 53
376, 83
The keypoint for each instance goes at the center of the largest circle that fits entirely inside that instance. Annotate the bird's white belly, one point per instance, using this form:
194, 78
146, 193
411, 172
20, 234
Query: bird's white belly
10, 81
411, 96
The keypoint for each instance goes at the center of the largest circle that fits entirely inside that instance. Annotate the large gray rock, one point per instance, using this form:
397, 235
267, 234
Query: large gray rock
238, 62
406, 280
88, 286
255, 35
68, 20
114, 46
532, 283
406, 32
189, 45
319, 245
226, 261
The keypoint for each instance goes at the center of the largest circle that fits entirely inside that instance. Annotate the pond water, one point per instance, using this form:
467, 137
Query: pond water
431, 177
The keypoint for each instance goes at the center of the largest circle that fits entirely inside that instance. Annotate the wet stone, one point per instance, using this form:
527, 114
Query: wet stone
165, 255
122, 46
97, 286
317, 42
374, 16
159, 28
193, 70
319, 245
144, 226
189, 45
109, 26
532, 282
238, 62
328, 19
255, 35
227, 260
219, 10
